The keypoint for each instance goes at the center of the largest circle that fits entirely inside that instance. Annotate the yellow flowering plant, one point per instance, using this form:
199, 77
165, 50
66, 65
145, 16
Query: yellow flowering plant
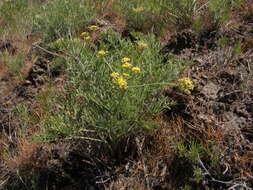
142, 45
126, 65
93, 28
121, 82
84, 34
136, 69
185, 84
125, 60
101, 53
115, 75
114, 95
87, 38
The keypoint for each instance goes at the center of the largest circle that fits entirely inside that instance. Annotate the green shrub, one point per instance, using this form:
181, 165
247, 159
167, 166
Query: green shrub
194, 152
106, 95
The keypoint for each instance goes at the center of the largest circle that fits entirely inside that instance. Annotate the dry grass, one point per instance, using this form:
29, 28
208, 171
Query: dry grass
26, 156
155, 155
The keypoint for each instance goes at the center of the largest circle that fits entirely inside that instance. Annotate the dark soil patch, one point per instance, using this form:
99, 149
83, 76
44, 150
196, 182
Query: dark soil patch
189, 40
61, 166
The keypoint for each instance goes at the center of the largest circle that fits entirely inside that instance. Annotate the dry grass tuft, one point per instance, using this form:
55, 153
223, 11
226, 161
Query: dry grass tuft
28, 155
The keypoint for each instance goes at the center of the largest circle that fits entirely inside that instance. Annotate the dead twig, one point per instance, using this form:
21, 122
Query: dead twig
232, 182
54, 53
140, 144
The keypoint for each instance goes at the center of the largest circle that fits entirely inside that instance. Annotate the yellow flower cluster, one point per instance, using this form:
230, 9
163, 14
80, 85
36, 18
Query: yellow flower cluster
85, 36
115, 75
142, 45
119, 80
102, 53
93, 28
136, 69
122, 83
125, 60
127, 65
185, 84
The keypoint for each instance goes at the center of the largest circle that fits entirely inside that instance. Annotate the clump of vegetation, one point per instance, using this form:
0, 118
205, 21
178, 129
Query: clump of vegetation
119, 91
185, 84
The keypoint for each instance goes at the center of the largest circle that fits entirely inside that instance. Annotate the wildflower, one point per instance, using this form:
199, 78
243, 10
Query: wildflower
84, 34
87, 38
127, 65
121, 82
126, 75
138, 9
115, 75
142, 45
185, 84
102, 53
125, 60
136, 69
93, 28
